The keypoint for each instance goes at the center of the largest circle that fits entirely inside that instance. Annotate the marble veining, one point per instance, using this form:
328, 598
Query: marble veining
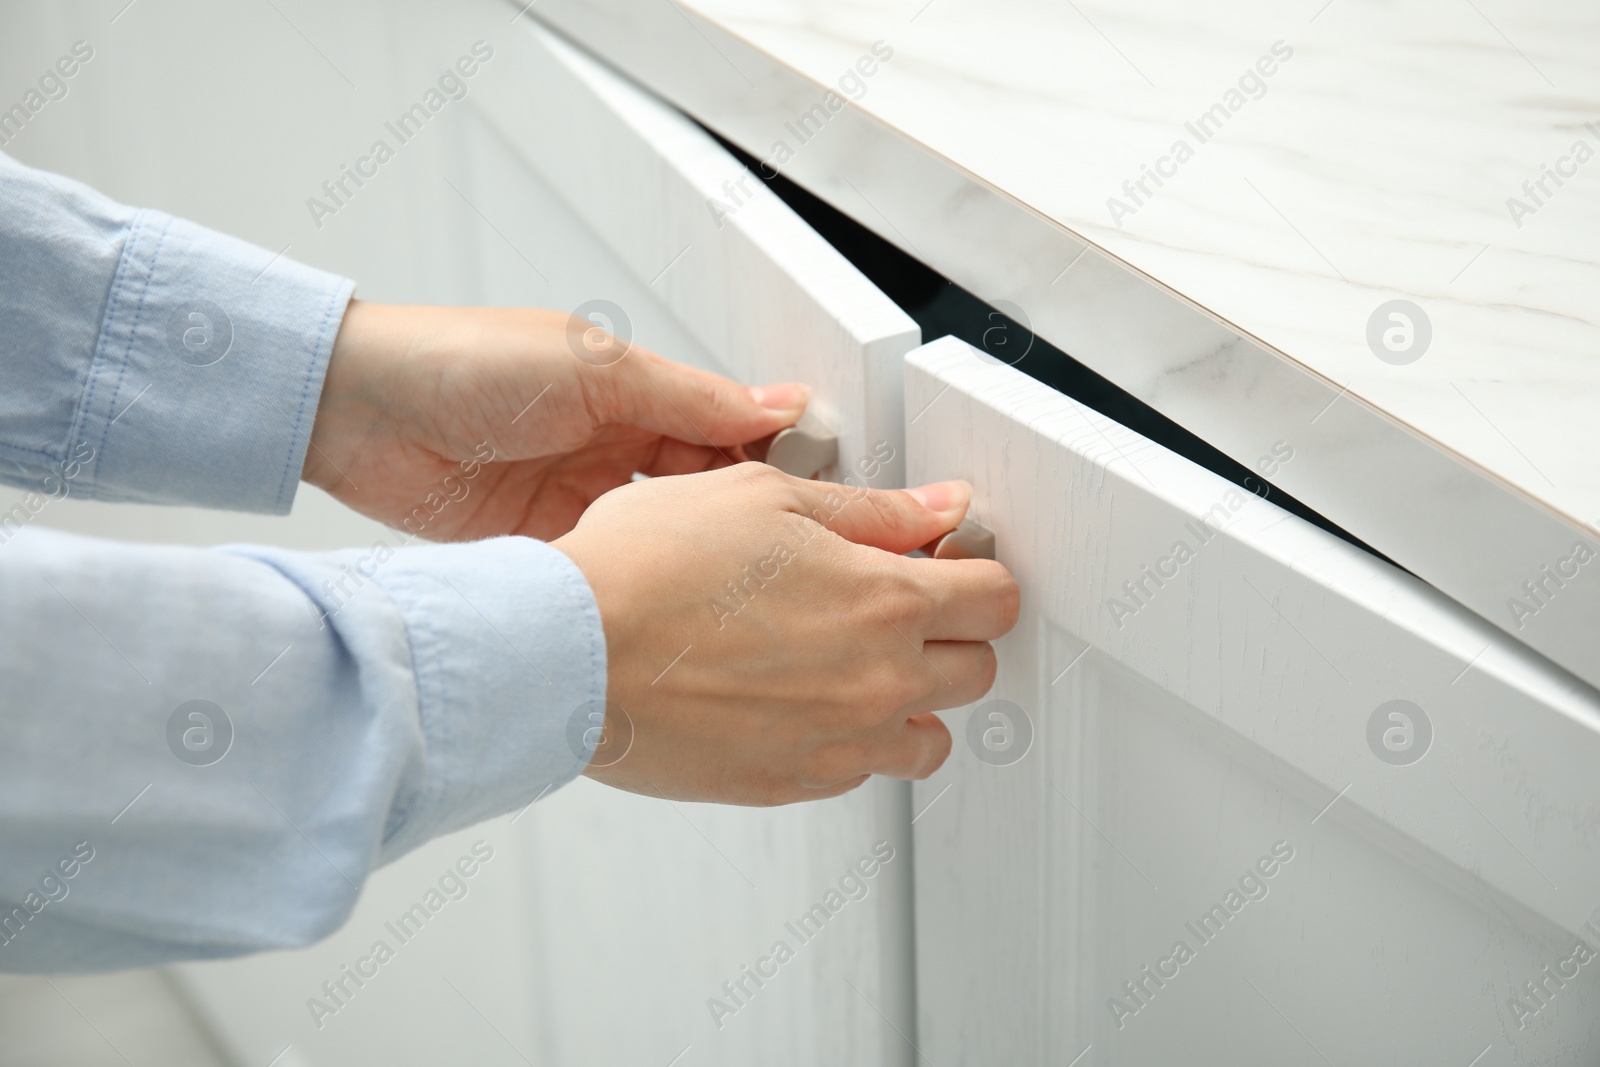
1376, 161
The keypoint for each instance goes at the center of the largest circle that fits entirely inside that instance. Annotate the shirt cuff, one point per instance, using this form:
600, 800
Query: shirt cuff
510, 660
207, 371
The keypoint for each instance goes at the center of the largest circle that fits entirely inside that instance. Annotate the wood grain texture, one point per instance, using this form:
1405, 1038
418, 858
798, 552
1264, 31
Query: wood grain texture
769, 298
1221, 709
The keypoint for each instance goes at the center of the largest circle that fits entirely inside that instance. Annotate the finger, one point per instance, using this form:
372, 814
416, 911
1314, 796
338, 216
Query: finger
914, 748
973, 599
758, 449
950, 674
680, 457
896, 520
645, 390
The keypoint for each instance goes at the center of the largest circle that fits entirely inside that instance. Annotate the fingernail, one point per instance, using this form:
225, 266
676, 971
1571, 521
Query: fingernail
788, 396
943, 496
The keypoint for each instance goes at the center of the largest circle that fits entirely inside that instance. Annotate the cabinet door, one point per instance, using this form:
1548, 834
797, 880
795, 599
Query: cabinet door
656, 925
767, 296
1242, 793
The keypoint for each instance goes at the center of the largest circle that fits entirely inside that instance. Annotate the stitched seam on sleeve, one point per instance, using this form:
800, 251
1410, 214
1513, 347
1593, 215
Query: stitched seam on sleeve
102, 341
24, 450
133, 339
422, 643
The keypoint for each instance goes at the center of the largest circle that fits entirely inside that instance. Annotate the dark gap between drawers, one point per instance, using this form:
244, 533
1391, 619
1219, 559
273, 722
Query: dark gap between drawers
940, 307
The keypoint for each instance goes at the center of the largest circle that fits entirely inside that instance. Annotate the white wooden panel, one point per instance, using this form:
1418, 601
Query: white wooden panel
769, 298
1221, 711
643, 910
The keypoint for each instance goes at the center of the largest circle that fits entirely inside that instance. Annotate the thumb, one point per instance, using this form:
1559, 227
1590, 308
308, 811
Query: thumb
692, 405
895, 520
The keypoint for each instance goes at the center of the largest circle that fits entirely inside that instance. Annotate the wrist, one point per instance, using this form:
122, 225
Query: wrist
340, 406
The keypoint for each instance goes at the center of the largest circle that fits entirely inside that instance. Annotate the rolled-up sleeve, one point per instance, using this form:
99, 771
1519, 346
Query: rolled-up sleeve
205, 752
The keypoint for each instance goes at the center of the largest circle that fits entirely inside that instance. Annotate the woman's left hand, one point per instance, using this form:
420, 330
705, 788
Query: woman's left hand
464, 423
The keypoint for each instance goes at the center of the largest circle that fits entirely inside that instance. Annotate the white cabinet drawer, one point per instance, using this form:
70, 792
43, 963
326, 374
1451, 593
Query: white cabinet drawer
1207, 681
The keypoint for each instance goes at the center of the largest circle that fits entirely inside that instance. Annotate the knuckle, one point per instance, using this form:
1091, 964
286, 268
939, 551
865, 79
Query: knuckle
895, 595
767, 477
902, 607
757, 476
895, 682
892, 611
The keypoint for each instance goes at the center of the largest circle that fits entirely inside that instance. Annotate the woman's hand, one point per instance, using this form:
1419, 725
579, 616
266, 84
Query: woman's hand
766, 640
463, 423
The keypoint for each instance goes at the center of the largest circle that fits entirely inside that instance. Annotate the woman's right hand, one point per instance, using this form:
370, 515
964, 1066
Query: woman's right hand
767, 639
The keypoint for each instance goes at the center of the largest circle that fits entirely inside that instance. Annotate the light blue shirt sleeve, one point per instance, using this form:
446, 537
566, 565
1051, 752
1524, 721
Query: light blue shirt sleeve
205, 752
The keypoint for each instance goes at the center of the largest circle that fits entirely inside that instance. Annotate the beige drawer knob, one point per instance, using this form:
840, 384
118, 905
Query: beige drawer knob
970, 540
802, 452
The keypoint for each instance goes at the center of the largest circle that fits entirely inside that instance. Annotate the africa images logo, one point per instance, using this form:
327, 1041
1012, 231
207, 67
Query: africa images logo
199, 733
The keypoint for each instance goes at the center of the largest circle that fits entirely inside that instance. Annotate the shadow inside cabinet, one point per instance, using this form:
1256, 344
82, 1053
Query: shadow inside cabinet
941, 307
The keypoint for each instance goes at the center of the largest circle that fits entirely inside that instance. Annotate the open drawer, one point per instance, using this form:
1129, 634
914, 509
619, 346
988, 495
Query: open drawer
1242, 793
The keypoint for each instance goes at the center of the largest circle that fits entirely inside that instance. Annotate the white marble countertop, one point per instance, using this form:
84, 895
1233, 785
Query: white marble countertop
1376, 163
1362, 152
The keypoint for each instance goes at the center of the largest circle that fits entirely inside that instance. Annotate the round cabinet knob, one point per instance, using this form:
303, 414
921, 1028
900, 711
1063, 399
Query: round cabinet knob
970, 540
802, 453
